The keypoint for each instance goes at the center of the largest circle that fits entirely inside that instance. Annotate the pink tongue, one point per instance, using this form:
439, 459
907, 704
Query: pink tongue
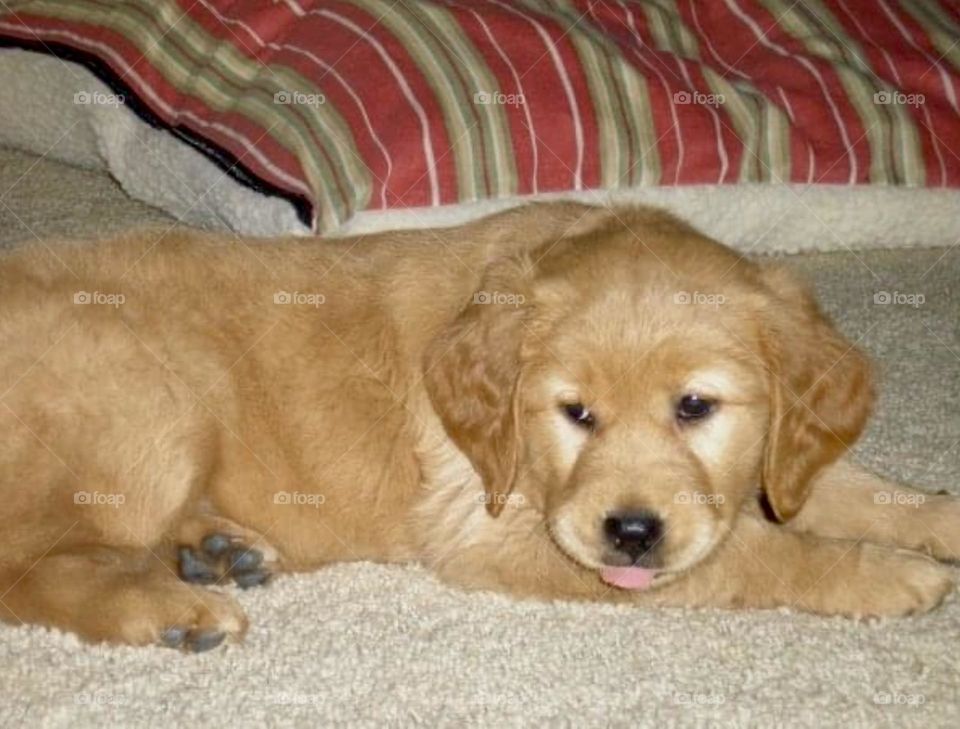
629, 578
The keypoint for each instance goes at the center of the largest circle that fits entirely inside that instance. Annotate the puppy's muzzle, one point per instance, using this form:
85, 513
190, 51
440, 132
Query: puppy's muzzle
634, 534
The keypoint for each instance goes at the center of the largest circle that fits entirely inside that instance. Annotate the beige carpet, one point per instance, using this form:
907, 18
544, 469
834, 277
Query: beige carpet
372, 645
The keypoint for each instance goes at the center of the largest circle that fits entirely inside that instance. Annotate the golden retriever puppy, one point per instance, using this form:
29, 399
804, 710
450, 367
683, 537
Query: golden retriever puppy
560, 401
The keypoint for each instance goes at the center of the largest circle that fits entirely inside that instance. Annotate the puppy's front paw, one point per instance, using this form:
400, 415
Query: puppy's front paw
873, 582
202, 625
159, 610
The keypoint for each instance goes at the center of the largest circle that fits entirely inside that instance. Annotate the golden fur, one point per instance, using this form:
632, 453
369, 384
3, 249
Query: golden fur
399, 398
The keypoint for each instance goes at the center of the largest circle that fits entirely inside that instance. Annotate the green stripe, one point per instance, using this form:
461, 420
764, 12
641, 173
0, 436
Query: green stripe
612, 142
746, 108
645, 168
494, 125
895, 154
633, 87
883, 128
669, 31
460, 121
625, 134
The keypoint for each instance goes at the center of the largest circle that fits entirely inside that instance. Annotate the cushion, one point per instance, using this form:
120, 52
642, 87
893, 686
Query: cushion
338, 107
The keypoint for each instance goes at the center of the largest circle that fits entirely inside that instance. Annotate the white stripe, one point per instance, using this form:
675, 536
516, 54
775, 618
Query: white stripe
295, 7
761, 38
787, 105
678, 131
146, 90
534, 186
327, 68
567, 88
407, 92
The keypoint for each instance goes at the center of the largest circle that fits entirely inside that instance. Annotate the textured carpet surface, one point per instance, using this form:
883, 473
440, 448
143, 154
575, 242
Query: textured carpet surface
378, 645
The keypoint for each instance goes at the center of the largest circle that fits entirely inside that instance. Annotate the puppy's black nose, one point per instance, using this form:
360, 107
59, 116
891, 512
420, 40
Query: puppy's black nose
634, 533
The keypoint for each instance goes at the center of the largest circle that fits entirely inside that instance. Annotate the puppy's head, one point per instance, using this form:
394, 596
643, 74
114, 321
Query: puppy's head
636, 384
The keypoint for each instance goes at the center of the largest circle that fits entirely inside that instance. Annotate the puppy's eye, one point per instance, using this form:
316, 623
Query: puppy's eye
579, 414
693, 407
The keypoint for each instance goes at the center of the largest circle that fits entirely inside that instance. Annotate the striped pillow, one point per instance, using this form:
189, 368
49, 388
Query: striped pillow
349, 105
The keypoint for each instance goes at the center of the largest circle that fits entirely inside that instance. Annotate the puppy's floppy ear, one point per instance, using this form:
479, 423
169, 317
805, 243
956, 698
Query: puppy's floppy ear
472, 375
820, 392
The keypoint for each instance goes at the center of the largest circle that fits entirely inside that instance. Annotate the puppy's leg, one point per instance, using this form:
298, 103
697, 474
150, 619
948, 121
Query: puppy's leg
758, 565
763, 565
117, 596
849, 502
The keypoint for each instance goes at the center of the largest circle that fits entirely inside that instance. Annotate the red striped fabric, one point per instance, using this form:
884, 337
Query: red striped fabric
612, 95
